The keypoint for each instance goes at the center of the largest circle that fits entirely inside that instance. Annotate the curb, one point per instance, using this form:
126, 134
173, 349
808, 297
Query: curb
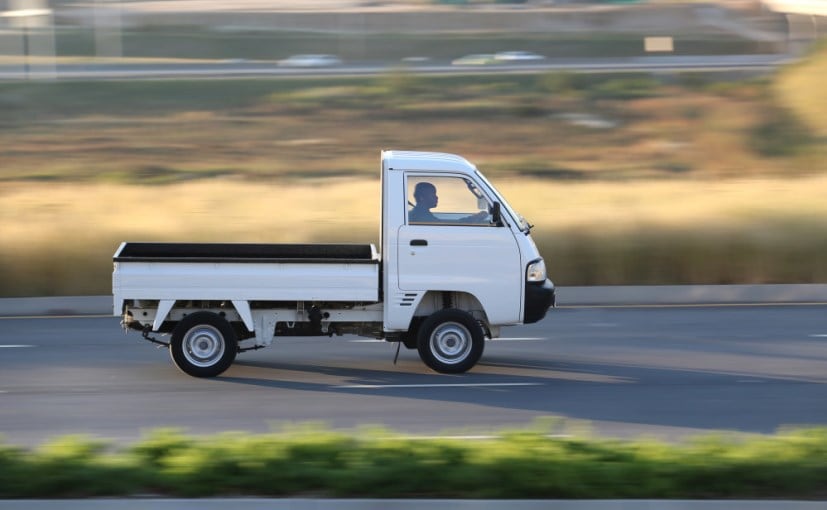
611, 295
56, 306
692, 294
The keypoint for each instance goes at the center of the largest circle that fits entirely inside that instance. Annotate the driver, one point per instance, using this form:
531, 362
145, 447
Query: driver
426, 199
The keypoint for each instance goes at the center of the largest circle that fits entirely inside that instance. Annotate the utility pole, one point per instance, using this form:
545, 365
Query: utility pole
108, 40
33, 23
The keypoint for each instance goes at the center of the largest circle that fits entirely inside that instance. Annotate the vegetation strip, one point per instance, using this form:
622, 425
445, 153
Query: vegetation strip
523, 464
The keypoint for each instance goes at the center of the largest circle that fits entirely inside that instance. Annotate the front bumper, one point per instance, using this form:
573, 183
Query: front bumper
539, 297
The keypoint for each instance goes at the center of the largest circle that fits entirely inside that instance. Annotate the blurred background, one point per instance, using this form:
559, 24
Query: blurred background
650, 142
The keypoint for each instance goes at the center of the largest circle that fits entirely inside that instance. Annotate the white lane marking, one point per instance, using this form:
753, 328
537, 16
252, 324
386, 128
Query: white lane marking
820, 335
447, 385
18, 317
501, 339
12, 346
517, 339
699, 305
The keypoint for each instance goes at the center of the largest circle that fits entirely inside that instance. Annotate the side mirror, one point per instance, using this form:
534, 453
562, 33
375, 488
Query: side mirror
496, 214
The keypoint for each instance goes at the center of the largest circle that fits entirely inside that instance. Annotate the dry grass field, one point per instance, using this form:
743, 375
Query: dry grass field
676, 231
628, 178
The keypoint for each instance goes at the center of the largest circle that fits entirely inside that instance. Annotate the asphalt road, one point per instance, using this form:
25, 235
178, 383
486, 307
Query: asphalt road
242, 68
620, 371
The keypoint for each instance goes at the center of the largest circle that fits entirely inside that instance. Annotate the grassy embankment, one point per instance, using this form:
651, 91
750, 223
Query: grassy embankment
520, 464
629, 180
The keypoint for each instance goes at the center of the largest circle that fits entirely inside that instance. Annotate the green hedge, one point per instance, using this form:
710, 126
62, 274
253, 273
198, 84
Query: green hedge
323, 463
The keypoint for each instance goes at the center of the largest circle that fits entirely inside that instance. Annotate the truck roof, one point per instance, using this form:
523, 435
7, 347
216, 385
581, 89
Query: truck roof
431, 161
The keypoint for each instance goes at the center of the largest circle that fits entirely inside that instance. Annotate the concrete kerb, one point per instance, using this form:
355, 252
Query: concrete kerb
620, 295
56, 306
692, 294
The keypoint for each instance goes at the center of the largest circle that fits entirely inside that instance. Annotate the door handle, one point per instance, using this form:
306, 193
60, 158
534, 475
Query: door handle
419, 242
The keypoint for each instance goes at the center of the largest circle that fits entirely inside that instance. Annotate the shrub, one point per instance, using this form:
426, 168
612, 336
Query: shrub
632, 87
779, 134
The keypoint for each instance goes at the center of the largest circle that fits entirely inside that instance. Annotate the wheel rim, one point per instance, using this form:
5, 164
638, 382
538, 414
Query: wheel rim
451, 343
203, 345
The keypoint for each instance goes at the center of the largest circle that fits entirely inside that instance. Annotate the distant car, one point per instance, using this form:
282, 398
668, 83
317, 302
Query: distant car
477, 59
517, 56
310, 61
415, 60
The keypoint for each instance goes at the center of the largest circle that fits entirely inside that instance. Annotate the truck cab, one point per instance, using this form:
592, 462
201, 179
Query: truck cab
456, 264
475, 249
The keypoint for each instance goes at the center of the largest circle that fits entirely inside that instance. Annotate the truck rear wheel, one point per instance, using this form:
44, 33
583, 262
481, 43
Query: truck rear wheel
203, 345
450, 341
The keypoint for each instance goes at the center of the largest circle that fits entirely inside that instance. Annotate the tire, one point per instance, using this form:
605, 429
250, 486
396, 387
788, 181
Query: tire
203, 345
450, 341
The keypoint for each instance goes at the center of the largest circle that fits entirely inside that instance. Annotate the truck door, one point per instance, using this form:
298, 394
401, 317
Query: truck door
450, 243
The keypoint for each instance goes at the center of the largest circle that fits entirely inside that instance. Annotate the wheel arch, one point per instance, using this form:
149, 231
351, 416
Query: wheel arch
165, 307
434, 300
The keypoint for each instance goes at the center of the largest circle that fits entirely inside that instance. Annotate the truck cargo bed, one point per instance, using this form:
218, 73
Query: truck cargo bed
249, 272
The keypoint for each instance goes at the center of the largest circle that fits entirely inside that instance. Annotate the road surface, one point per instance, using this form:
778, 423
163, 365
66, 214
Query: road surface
242, 69
666, 372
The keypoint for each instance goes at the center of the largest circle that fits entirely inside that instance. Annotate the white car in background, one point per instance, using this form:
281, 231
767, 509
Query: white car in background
518, 56
477, 59
310, 61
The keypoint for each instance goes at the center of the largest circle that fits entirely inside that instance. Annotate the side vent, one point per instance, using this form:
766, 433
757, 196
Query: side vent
406, 299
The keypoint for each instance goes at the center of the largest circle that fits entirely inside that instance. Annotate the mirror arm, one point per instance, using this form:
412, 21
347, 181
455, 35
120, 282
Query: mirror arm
496, 214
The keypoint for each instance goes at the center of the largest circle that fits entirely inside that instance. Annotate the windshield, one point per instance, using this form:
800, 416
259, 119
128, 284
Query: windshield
521, 222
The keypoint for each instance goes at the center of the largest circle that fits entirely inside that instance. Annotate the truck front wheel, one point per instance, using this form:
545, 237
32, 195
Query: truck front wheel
203, 345
450, 341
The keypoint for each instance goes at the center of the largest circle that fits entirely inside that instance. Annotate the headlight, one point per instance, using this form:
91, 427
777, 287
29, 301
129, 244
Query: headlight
536, 271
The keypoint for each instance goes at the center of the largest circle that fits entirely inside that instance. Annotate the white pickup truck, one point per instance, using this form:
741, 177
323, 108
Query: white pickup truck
457, 264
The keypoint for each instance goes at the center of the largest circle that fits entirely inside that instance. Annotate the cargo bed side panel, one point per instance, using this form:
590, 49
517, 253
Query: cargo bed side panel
247, 281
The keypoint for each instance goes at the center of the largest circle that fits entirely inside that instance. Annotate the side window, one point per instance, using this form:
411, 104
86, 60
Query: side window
446, 201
